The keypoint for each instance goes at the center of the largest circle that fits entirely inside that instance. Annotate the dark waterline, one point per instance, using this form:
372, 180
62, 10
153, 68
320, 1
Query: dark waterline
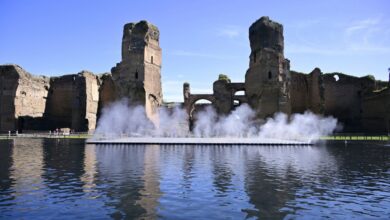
67, 179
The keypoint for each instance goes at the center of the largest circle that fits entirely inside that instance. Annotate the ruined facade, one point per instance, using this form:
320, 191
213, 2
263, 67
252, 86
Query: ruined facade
359, 103
21, 95
76, 101
41, 103
138, 76
266, 81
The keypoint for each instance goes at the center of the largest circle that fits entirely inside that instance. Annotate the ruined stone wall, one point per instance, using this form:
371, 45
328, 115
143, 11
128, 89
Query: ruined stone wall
138, 76
73, 102
9, 78
306, 92
343, 98
223, 97
266, 81
299, 92
22, 98
92, 99
107, 92
376, 112
60, 101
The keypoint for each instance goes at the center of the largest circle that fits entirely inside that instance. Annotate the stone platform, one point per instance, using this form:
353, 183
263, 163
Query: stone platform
198, 141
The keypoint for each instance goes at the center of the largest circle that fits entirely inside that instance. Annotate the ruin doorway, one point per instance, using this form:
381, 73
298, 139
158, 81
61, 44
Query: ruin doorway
198, 106
238, 98
21, 124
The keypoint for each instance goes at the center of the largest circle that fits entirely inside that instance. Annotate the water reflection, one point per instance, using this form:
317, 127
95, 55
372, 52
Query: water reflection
5, 165
151, 193
273, 175
52, 179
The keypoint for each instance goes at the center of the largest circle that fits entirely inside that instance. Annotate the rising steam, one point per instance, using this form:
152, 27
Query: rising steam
121, 119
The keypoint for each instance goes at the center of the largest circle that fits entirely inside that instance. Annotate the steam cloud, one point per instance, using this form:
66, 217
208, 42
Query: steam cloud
121, 119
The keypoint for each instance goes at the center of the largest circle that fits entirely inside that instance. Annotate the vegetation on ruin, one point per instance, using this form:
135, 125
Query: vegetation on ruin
224, 77
371, 77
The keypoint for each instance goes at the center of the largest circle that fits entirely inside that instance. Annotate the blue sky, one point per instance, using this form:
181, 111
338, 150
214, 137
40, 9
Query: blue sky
200, 38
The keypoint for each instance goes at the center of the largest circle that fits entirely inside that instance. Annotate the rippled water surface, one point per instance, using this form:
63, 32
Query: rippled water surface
67, 179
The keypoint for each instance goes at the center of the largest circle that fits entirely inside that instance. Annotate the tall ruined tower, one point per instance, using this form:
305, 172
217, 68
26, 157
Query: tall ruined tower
138, 76
267, 79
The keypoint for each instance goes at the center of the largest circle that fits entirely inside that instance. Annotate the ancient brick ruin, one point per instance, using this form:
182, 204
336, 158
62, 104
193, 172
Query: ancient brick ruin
362, 104
41, 103
138, 76
76, 101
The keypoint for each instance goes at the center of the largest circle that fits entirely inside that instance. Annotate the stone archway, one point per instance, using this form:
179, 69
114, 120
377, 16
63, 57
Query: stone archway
190, 106
192, 99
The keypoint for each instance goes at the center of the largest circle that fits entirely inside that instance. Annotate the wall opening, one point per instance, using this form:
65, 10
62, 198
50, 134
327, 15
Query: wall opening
269, 75
151, 59
136, 74
21, 124
239, 92
199, 105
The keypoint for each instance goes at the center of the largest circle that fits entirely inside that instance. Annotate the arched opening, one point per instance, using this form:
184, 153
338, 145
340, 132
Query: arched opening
240, 93
198, 106
21, 124
153, 102
236, 103
269, 75
136, 74
151, 59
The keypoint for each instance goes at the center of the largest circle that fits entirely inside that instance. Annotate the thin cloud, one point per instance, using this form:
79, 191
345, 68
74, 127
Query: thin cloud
367, 36
358, 37
229, 31
362, 25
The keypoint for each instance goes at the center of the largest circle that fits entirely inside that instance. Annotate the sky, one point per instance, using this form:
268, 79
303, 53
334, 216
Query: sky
200, 39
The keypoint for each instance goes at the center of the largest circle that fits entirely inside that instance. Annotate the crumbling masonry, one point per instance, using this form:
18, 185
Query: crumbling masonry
360, 104
76, 101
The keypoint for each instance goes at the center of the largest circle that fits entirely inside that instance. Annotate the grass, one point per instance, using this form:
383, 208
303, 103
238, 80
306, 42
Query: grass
356, 138
76, 136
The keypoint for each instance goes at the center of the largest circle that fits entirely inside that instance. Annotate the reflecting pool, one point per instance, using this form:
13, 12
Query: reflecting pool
67, 179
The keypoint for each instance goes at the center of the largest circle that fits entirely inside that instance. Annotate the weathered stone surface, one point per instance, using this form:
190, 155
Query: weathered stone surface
107, 92
265, 33
376, 111
138, 76
73, 102
307, 92
267, 79
92, 99
22, 97
343, 97
223, 97
40, 103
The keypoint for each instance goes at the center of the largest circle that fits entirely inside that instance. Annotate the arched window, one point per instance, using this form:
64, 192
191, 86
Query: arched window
136, 74
151, 60
269, 75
